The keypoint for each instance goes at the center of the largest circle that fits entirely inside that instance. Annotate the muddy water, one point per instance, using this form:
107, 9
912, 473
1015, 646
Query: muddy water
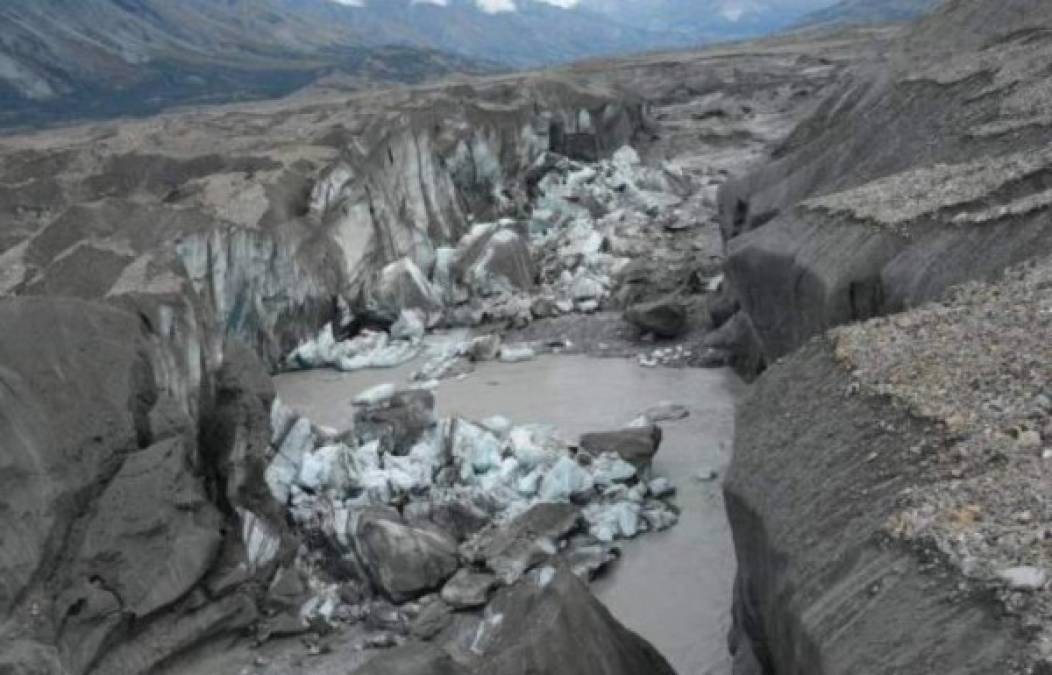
672, 587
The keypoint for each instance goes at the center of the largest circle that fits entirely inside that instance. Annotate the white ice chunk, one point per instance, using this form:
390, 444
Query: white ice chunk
375, 395
517, 353
411, 325
565, 480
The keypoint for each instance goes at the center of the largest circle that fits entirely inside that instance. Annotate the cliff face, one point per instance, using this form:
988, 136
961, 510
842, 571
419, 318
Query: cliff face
917, 175
271, 233
851, 473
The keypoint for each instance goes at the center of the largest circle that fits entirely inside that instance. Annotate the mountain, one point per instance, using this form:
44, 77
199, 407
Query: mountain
62, 59
66, 59
870, 11
518, 33
706, 20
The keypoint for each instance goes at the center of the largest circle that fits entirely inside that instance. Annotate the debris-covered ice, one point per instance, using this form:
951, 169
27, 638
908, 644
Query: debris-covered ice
564, 258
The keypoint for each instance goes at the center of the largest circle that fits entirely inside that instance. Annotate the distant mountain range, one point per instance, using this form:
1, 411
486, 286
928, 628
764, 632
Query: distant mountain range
870, 11
63, 59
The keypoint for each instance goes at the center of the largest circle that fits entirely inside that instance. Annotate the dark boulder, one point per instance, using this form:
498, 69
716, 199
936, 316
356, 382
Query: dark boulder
528, 540
552, 624
665, 318
635, 445
403, 562
468, 588
397, 422
413, 659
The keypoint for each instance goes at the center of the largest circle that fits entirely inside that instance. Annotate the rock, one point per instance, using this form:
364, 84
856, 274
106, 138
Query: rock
237, 434
587, 288
1024, 578
411, 325
412, 659
149, 505
544, 307
402, 285
666, 318
529, 539
550, 623
588, 560
457, 516
383, 616
83, 453
665, 411
637, 445
517, 353
468, 589
403, 562
485, 347
398, 422
433, 618
503, 266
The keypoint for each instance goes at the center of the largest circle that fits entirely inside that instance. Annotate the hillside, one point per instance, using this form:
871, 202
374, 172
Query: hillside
98, 58
870, 11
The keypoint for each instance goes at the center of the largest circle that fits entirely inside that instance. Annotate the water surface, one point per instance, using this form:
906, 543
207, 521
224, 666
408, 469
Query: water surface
672, 587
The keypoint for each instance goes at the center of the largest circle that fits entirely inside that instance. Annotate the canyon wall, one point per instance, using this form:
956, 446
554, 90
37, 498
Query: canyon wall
924, 172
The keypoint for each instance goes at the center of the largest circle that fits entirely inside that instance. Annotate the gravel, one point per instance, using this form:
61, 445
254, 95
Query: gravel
979, 366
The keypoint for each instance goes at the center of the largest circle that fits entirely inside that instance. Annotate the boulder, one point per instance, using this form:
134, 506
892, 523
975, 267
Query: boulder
468, 589
403, 562
551, 623
412, 659
457, 516
503, 265
544, 307
485, 347
665, 318
433, 618
402, 285
529, 539
635, 445
397, 422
